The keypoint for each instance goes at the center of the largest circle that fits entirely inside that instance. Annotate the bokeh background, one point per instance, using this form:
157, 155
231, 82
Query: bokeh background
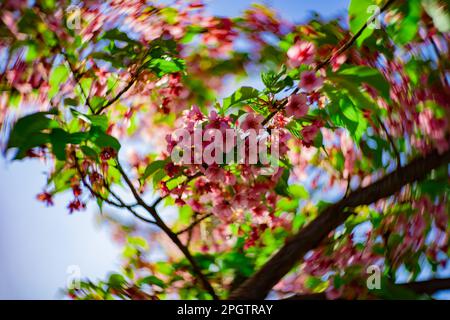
39, 244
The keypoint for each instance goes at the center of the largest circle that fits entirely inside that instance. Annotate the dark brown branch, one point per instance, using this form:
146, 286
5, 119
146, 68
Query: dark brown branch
128, 86
121, 204
439, 60
118, 96
353, 39
152, 211
429, 286
421, 287
258, 286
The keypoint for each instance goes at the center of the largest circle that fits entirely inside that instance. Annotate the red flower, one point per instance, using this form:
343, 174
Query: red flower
45, 197
76, 205
107, 153
76, 190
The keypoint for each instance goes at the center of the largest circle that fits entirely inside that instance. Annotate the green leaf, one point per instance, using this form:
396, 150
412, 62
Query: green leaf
71, 102
370, 76
158, 176
240, 95
139, 242
152, 280
185, 214
344, 113
170, 14
103, 140
29, 125
287, 205
59, 139
175, 182
239, 262
116, 34
35, 140
282, 186
32, 52
165, 66
86, 84
409, 25
298, 191
116, 281
315, 283
100, 121
88, 151
359, 13
57, 77
153, 167
97, 102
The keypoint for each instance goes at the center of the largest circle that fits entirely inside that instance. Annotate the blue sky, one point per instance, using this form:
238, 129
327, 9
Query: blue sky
38, 244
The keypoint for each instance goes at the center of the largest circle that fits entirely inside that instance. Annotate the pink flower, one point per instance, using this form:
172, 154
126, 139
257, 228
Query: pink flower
195, 205
310, 82
215, 173
217, 122
432, 126
297, 106
240, 200
301, 53
194, 114
252, 121
222, 210
230, 179
309, 133
337, 61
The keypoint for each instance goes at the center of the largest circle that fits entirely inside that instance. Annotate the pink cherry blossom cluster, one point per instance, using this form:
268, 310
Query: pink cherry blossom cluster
327, 263
410, 112
229, 191
422, 229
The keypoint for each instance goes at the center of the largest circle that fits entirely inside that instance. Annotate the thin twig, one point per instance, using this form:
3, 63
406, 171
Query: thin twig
193, 224
322, 64
439, 58
121, 203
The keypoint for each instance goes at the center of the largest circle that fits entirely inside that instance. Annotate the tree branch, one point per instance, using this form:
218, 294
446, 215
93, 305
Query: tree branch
193, 224
151, 209
121, 204
257, 286
117, 97
322, 64
391, 141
